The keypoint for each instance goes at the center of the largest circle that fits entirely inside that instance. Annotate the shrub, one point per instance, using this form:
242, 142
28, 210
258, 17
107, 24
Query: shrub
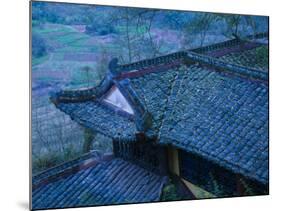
96, 29
39, 48
169, 193
42, 162
262, 55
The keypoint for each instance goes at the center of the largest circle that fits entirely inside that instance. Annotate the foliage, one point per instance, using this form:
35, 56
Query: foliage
102, 63
83, 76
89, 137
129, 34
135, 34
232, 23
43, 12
200, 25
39, 48
38, 60
102, 144
59, 13
94, 29
262, 55
51, 159
175, 20
218, 189
169, 193
87, 70
251, 189
99, 22
200, 193
247, 188
238, 25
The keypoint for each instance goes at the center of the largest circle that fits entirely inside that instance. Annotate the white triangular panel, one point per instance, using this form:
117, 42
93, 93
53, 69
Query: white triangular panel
115, 97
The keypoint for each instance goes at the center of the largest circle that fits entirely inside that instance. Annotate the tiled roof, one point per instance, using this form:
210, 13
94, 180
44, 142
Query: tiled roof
155, 101
249, 58
96, 116
37, 179
211, 101
111, 182
221, 117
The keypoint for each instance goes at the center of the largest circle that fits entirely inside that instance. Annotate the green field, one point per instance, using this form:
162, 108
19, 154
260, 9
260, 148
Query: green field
55, 137
74, 60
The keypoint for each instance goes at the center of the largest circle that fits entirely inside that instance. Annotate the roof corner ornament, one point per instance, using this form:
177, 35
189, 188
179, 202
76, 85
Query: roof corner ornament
236, 36
113, 66
54, 98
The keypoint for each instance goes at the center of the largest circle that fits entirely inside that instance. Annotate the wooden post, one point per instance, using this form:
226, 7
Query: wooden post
173, 160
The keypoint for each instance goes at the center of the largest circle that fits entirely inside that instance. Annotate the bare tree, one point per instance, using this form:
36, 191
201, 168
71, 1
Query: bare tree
102, 63
232, 22
200, 26
136, 34
89, 137
87, 70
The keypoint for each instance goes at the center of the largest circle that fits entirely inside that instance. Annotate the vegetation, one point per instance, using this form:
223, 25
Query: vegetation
39, 60
39, 48
93, 29
87, 70
169, 193
201, 25
218, 189
89, 137
262, 55
51, 159
72, 46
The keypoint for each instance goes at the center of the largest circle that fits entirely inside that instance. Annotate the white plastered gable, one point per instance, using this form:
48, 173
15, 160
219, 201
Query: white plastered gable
117, 99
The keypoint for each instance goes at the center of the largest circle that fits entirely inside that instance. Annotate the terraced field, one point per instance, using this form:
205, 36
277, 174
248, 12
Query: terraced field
75, 59
55, 137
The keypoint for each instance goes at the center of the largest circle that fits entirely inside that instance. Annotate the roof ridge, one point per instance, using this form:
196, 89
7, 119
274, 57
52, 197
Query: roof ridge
227, 67
69, 167
81, 95
169, 58
161, 63
176, 84
73, 161
230, 43
142, 117
190, 57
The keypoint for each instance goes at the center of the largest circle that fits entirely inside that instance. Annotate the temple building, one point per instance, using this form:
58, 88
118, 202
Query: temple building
198, 118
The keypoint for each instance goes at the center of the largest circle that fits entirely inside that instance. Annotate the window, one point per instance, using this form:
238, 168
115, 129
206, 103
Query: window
115, 98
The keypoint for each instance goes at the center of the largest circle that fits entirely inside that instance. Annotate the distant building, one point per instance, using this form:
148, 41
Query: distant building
198, 116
